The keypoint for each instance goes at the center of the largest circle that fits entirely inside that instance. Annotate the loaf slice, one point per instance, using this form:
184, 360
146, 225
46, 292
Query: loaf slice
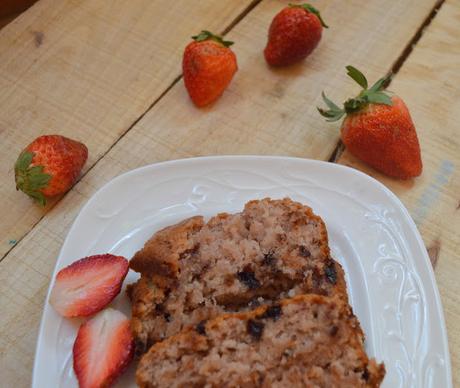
306, 341
195, 270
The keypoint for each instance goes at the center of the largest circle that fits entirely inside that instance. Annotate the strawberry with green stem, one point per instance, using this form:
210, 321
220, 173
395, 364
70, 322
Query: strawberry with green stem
49, 166
378, 128
293, 34
208, 67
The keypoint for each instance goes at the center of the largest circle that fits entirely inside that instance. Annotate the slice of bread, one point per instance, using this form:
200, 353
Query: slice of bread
306, 341
194, 270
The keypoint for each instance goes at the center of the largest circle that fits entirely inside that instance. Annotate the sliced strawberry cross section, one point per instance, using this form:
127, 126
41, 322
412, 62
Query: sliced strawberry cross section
88, 285
103, 349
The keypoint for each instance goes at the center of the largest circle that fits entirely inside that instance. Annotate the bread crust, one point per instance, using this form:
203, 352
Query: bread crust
161, 253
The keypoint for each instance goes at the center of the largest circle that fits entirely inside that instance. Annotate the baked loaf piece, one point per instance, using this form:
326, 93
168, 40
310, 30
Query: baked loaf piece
306, 341
194, 270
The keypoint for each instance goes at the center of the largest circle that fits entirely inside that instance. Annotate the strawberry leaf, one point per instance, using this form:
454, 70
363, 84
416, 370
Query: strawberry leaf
374, 95
334, 113
311, 9
331, 116
329, 103
30, 179
355, 104
207, 35
24, 161
37, 196
357, 76
379, 98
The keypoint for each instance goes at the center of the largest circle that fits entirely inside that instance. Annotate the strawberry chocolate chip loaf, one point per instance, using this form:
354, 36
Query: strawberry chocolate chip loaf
306, 341
194, 271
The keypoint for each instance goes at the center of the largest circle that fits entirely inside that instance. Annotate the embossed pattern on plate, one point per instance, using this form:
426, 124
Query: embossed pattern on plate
389, 276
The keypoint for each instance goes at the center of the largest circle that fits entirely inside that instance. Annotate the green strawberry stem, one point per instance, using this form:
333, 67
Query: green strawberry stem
375, 95
30, 179
311, 9
207, 35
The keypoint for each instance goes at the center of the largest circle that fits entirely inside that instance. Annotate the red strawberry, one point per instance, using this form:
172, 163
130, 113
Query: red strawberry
208, 67
49, 166
103, 349
88, 285
294, 33
378, 129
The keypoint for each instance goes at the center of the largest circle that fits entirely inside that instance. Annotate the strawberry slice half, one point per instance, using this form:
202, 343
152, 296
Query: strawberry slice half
103, 349
88, 285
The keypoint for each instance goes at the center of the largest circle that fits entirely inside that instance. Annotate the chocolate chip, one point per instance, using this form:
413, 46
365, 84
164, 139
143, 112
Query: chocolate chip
186, 254
196, 277
269, 258
366, 374
201, 327
255, 329
248, 278
140, 347
288, 352
303, 251
273, 312
260, 379
331, 273
253, 303
159, 308
334, 330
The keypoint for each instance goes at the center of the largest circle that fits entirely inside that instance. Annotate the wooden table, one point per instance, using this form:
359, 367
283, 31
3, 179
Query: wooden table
109, 73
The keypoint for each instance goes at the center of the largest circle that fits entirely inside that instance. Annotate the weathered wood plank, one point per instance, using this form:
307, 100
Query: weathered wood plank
263, 112
428, 82
87, 70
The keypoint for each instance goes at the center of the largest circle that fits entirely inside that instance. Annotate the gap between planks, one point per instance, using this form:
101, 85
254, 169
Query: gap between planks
226, 30
339, 148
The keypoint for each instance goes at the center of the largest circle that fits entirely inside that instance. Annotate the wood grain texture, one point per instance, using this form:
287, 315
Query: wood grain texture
263, 112
428, 82
87, 70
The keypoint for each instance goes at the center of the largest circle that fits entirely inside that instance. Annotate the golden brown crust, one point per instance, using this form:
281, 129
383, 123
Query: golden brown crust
160, 254
376, 373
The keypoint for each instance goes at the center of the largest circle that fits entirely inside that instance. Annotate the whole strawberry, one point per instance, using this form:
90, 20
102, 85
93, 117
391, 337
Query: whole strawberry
294, 33
208, 67
49, 166
378, 129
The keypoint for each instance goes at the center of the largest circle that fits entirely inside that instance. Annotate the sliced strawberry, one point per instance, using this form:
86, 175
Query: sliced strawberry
103, 349
88, 285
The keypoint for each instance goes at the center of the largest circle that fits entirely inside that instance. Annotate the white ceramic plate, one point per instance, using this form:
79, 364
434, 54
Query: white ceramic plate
390, 280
